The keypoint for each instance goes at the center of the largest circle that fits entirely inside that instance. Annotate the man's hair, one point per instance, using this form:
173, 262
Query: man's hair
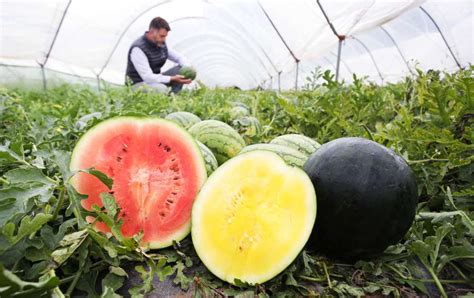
159, 23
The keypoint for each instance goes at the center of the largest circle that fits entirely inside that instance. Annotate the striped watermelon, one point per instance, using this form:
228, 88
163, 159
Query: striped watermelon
239, 112
183, 119
188, 72
209, 158
218, 136
291, 156
239, 104
248, 126
299, 142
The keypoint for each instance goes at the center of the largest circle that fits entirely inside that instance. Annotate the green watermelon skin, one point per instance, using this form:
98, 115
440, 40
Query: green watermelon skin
218, 136
188, 72
299, 142
209, 158
239, 112
248, 126
367, 198
183, 119
290, 156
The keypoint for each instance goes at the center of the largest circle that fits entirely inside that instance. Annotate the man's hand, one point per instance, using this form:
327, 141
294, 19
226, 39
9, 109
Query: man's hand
180, 79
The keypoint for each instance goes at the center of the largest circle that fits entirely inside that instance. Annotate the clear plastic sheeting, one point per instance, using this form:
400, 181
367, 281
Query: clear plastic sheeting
247, 44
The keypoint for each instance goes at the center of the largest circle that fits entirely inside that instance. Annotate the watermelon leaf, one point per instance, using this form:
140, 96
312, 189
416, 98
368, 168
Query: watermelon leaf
9, 154
28, 226
427, 118
182, 279
111, 283
147, 278
101, 176
67, 246
10, 284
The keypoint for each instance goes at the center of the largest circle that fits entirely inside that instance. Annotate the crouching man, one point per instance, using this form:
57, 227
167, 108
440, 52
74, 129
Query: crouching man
146, 57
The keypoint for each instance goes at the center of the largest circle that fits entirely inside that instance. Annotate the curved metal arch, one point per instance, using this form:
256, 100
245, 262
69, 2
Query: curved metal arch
144, 12
235, 80
254, 41
278, 33
46, 58
370, 55
216, 66
219, 37
361, 16
340, 38
83, 78
213, 59
398, 48
329, 62
257, 57
9, 68
230, 61
125, 31
229, 49
223, 61
56, 34
333, 29
442, 36
232, 54
48, 69
69, 74
234, 61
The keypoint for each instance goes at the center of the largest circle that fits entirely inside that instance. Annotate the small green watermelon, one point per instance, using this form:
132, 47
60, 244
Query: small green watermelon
188, 72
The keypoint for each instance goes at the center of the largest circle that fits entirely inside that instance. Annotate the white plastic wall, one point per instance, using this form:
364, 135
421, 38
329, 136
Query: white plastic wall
235, 43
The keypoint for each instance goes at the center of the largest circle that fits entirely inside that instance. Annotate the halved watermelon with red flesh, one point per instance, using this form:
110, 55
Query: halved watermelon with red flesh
157, 169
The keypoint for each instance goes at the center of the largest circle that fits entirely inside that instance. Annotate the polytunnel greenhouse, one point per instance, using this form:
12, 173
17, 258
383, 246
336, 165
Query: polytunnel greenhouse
188, 148
272, 44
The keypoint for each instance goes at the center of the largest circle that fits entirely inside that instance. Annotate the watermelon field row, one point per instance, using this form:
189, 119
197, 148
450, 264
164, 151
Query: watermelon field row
48, 248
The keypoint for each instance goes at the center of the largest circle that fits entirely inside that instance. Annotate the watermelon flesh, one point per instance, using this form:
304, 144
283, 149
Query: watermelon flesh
157, 170
252, 217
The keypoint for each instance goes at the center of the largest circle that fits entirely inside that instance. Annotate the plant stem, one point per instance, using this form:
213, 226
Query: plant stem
74, 282
60, 203
437, 282
368, 132
312, 278
99, 266
327, 275
458, 270
444, 281
51, 180
400, 274
15, 266
67, 279
433, 215
426, 160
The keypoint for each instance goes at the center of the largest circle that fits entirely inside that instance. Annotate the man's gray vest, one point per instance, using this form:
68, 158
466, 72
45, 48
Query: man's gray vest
156, 55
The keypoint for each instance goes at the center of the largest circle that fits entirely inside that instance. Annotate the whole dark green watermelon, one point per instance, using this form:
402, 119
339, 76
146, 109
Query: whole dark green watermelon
367, 198
188, 72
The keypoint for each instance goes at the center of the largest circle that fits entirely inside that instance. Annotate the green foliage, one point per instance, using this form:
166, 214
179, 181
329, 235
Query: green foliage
47, 248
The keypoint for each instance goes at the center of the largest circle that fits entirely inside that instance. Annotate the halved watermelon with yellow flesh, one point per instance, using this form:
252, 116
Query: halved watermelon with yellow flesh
157, 170
252, 217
